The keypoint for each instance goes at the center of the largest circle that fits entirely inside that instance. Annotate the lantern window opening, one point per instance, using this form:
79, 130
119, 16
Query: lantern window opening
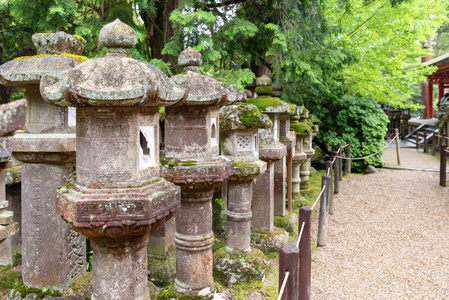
147, 147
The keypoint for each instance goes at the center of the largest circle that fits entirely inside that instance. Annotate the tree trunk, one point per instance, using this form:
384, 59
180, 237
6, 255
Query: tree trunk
3, 97
159, 29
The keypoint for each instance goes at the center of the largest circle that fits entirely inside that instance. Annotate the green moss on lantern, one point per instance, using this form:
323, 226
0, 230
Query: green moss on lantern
262, 102
264, 90
302, 128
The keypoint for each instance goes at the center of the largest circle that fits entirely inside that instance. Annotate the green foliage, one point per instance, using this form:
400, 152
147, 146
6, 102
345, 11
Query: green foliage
9, 278
218, 218
89, 261
359, 119
19, 94
40, 294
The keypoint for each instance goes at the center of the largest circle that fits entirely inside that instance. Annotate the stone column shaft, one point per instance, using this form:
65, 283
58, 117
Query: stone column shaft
120, 273
239, 215
50, 258
280, 177
263, 200
305, 174
296, 179
194, 243
162, 240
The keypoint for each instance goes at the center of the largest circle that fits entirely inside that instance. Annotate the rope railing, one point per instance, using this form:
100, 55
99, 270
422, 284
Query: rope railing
365, 157
284, 283
318, 198
300, 234
344, 146
442, 136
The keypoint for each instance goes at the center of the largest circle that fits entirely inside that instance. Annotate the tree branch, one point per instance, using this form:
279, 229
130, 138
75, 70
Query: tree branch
367, 20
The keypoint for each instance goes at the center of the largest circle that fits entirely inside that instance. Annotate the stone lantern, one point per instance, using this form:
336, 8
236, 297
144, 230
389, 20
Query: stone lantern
308, 150
270, 150
239, 126
12, 117
193, 163
118, 196
301, 130
47, 150
280, 166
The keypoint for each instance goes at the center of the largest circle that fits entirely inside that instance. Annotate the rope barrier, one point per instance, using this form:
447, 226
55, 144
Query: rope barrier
300, 234
318, 198
445, 137
365, 157
344, 146
281, 292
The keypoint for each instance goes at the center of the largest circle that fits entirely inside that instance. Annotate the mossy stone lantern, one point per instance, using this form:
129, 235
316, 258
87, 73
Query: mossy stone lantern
239, 125
302, 130
308, 149
118, 196
271, 150
280, 166
47, 149
192, 162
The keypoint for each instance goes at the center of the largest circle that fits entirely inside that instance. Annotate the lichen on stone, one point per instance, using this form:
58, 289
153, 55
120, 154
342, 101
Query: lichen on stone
79, 58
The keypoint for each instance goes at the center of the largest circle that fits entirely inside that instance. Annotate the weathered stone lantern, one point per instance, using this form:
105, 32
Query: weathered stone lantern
239, 126
193, 163
118, 196
308, 150
301, 130
270, 150
12, 117
280, 166
52, 254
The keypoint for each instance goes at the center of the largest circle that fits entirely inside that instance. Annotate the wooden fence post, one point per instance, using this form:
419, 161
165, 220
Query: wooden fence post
305, 253
443, 158
289, 176
434, 144
289, 262
330, 167
323, 221
396, 131
417, 139
336, 179
348, 161
340, 162
426, 145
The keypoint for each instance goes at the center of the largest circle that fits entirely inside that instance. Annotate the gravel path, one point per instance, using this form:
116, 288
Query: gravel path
388, 239
411, 158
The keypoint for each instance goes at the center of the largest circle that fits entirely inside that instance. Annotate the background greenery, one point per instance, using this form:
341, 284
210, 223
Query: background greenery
339, 58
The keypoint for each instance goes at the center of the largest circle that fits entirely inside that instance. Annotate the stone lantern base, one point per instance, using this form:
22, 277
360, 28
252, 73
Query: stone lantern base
118, 222
240, 266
